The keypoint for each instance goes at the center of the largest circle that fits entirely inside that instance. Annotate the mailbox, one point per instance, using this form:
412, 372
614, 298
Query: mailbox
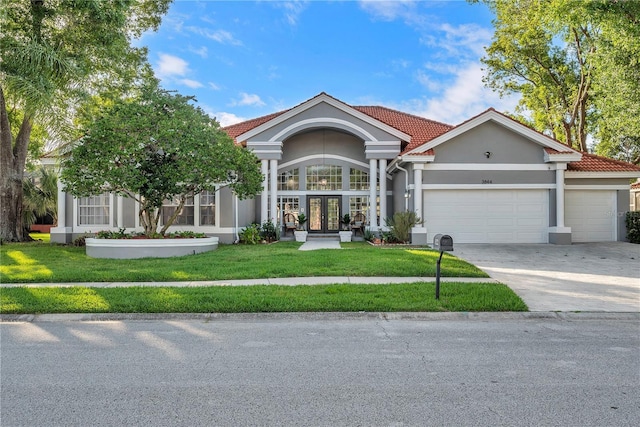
442, 242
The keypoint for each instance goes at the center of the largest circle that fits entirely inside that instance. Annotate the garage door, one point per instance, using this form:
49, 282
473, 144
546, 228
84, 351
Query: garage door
591, 214
488, 216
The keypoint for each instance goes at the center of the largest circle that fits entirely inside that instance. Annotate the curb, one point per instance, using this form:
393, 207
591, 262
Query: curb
320, 316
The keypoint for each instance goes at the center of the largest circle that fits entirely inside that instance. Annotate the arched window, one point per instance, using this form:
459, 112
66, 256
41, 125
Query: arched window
324, 177
289, 180
358, 179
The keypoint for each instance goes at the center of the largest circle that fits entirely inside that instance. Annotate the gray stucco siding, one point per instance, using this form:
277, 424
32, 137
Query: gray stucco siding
317, 143
504, 145
597, 181
488, 177
317, 113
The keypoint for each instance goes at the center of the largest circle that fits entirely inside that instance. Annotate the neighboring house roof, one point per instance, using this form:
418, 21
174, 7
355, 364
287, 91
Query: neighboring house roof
430, 133
635, 186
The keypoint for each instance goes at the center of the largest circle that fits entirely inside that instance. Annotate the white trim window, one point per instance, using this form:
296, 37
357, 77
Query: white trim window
359, 204
186, 215
289, 205
94, 210
289, 180
358, 179
207, 201
324, 177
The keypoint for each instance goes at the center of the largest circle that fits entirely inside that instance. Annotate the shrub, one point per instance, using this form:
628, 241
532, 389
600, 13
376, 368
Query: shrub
632, 221
400, 225
250, 235
269, 232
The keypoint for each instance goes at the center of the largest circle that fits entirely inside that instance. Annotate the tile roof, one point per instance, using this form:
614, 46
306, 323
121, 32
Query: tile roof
635, 185
423, 130
594, 163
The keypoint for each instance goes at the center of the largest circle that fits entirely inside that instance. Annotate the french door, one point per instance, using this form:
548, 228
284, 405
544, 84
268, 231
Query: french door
324, 214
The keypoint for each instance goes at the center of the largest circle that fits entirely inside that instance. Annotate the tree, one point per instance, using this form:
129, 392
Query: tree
545, 57
40, 191
576, 65
53, 54
617, 88
158, 147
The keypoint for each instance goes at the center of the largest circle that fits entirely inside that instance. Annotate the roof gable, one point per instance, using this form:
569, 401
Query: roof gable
507, 122
268, 122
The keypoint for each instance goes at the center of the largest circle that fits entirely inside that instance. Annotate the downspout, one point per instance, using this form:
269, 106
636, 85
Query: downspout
406, 184
235, 214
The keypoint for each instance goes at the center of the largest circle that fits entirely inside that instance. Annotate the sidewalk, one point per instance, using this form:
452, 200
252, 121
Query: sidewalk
285, 281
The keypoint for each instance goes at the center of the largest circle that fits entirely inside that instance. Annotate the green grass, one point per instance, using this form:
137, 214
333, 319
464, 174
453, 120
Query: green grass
38, 262
262, 299
42, 237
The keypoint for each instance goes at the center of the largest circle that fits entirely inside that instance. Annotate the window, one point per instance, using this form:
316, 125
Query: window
359, 204
94, 210
289, 180
208, 208
358, 180
324, 177
289, 205
185, 217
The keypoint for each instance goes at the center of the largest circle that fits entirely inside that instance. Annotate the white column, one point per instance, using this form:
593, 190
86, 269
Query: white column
383, 191
264, 204
62, 206
560, 195
373, 219
274, 191
417, 190
120, 217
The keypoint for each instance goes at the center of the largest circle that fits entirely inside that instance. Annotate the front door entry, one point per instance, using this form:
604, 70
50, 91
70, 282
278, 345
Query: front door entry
324, 214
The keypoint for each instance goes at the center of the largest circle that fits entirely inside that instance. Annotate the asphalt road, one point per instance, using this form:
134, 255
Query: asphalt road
323, 370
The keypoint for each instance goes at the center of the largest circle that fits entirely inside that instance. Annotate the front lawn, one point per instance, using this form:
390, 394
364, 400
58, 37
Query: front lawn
262, 299
40, 262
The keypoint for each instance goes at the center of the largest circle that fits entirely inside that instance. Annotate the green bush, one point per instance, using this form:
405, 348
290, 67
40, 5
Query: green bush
632, 221
250, 235
269, 232
400, 225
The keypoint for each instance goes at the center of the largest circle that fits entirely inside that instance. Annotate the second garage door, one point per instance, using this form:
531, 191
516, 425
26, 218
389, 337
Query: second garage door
591, 214
488, 216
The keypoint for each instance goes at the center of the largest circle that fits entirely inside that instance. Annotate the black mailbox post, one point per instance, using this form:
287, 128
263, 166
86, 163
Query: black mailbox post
441, 242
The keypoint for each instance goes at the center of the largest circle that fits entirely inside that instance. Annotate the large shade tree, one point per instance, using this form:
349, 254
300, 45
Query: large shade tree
158, 146
576, 65
53, 55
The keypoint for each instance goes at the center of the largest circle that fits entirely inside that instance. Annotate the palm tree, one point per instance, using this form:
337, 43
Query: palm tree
40, 197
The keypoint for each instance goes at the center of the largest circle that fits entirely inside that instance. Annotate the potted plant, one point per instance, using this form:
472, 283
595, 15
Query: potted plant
301, 233
346, 234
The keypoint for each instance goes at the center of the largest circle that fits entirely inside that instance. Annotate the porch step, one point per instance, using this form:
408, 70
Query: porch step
323, 237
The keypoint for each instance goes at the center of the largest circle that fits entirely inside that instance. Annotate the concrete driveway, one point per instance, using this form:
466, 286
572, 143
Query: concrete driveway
578, 277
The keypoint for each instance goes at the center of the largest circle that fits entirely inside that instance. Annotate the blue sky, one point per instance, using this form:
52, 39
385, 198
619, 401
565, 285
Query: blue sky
245, 59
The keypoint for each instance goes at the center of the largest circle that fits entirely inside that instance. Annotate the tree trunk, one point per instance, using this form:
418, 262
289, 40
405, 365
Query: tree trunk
12, 162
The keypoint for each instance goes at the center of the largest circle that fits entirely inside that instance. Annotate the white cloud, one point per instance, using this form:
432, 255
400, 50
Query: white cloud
389, 10
227, 119
173, 70
214, 86
463, 99
292, 10
202, 51
466, 39
247, 99
170, 65
194, 84
220, 36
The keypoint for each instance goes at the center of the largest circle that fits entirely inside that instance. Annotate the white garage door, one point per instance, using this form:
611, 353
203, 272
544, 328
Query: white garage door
591, 214
488, 216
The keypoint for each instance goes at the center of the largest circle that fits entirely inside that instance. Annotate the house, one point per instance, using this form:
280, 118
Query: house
634, 198
489, 179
